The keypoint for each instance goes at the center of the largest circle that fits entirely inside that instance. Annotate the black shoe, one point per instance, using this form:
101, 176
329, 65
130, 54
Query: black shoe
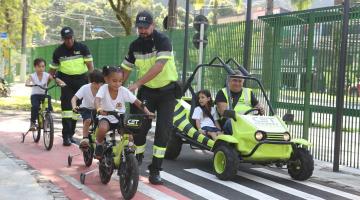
99, 150
66, 142
72, 140
154, 177
139, 158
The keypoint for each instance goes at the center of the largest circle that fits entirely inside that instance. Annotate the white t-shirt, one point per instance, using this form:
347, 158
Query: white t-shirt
43, 83
205, 121
87, 96
109, 104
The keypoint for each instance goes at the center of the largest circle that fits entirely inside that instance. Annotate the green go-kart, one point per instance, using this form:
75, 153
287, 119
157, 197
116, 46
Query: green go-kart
255, 139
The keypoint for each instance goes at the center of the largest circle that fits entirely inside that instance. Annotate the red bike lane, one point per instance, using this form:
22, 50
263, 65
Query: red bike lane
53, 165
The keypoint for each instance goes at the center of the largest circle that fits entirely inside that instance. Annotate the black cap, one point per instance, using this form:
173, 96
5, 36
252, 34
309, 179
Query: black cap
66, 32
143, 19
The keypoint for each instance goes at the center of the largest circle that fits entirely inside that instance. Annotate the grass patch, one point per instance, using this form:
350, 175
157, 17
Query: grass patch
21, 103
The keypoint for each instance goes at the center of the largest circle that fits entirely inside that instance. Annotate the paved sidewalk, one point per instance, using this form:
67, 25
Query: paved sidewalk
18, 180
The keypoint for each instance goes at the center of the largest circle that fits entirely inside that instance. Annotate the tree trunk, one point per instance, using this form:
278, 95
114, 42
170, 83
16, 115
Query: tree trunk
121, 14
269, 7
23, 41
216, 12
172, 15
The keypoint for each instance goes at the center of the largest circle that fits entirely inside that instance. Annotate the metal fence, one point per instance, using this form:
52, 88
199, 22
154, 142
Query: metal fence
296, 56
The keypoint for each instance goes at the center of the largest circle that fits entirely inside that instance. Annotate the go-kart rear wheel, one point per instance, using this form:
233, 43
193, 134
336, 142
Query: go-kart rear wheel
173, 147
225, 162
129, 176
301, 164
106, 169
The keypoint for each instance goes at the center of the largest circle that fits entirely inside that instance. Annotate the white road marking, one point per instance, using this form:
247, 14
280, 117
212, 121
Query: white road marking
150, 191
278, 186
235, 186
82, 187
310, 184
204, 193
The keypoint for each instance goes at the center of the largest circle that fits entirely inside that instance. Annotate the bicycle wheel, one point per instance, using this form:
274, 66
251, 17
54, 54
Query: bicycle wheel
106, 168
129, 176
48, 131
37, 133
88, 156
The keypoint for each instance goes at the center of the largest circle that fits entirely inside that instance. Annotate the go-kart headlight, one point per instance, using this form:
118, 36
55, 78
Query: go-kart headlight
286, 136
259, 135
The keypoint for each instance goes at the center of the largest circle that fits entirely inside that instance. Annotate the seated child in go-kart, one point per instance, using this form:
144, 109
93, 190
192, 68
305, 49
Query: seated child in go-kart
112, 96
205, 115
87, 93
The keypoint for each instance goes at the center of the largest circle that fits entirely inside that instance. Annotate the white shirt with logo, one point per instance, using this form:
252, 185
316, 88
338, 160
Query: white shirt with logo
87, 96
36, 81
205, 121
118, 104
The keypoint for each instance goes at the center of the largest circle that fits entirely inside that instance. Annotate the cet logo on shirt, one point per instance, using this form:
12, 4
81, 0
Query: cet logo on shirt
118, 105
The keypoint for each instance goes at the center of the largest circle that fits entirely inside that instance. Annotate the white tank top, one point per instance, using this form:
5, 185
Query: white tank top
43, 83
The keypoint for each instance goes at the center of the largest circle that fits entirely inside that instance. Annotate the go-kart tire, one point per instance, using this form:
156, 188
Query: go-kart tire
129, 176
106, 170
173, 147
88, 156
301, 164
225, 161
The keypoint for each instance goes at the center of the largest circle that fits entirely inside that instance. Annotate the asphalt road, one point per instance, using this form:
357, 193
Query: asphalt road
188, 177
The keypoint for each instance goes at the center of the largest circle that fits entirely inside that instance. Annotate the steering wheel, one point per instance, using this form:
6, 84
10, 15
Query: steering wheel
252, 110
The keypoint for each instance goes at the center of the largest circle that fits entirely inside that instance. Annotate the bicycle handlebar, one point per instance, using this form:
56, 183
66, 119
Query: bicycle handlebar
118, 115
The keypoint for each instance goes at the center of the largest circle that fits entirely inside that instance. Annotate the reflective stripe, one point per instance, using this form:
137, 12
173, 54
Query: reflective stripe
159, 152
67, 114
75, 116
163, 58
53, 66
164, 53
74, 66
70, 58
138, 55
88, 59
140, 149
126, 67
127, 64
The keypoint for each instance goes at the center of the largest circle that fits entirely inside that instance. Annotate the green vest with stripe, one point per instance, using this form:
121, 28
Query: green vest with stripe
244, 102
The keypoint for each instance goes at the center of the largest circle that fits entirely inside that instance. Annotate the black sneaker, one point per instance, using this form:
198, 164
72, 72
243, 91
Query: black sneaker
66, 142
139, 158
99, 150
154, 177
72, 140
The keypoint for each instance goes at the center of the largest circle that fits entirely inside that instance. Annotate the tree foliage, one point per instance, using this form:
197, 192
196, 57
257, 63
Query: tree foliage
301, 4
10, 21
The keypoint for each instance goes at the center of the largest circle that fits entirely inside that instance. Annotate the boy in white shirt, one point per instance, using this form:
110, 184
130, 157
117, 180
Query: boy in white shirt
41, 78
87, 94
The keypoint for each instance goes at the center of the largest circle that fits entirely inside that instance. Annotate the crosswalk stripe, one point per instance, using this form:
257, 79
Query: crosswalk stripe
235, 186
153, 193
204, 193
278, 186
310, 184
150, 191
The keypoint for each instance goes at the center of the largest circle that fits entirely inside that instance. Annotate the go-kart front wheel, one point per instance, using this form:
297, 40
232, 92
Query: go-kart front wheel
173, 147
301, 164
226, 161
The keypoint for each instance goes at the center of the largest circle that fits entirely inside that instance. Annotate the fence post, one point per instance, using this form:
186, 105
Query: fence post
308, 78
247, 38
340, 86
186, 41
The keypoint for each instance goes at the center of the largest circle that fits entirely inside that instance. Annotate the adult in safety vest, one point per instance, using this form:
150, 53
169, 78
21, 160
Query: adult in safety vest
72, 60
243, 99
151, 53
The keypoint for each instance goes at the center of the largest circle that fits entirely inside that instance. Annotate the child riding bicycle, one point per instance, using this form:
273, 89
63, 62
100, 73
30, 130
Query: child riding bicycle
87, 93
112, 96
41, 78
